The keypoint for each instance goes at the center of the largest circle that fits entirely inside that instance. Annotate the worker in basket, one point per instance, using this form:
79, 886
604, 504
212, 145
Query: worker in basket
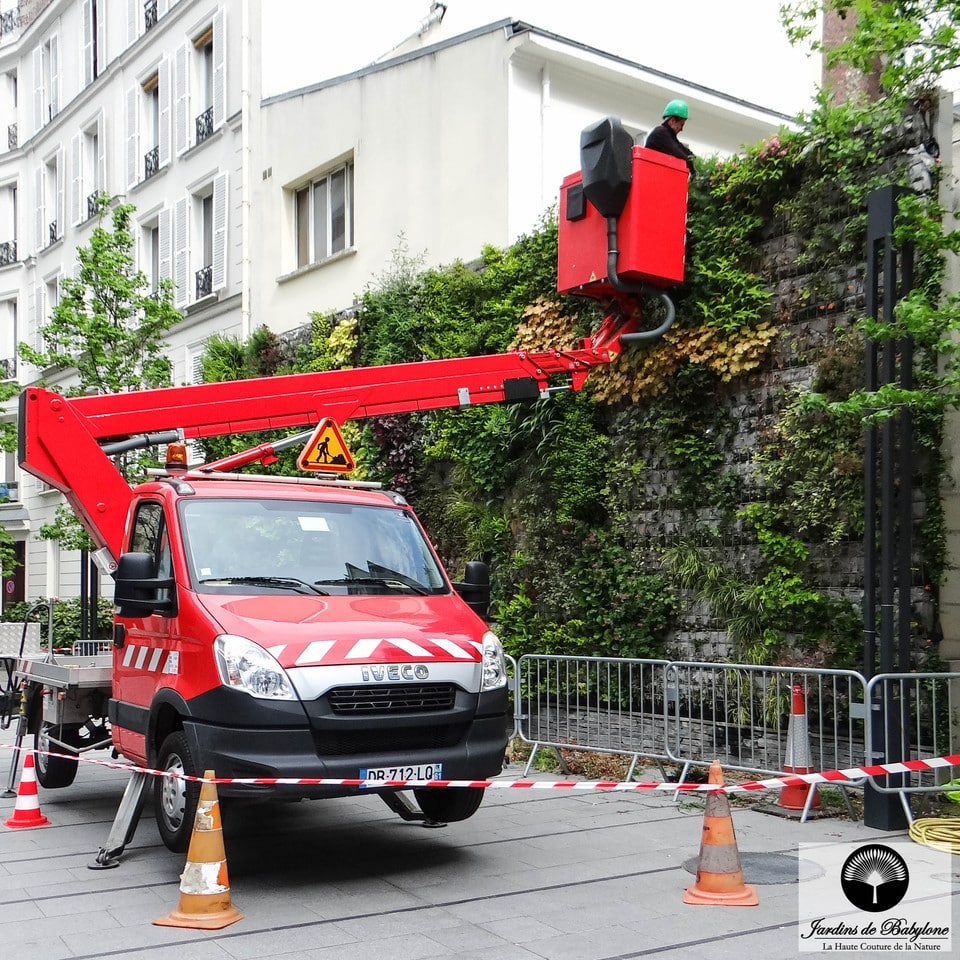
665, 137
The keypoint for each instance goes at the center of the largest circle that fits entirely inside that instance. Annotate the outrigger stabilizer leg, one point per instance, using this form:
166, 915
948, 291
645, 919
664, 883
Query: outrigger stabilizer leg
125, 822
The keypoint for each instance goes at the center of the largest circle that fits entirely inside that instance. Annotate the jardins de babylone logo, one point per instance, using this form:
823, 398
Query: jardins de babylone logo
874, 878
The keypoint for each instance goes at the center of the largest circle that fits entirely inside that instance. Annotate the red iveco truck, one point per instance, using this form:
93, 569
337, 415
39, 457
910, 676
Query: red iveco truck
303, 627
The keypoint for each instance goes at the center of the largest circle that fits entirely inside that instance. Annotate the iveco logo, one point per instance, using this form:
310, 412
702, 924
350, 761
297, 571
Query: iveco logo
394, 671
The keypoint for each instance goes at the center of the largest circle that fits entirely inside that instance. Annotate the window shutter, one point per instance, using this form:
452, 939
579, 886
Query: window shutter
54, 74
181, 138
181, 252
38, 222
133, 149
101, 184
37, 89
76, 182
166, 246
133, 21
163, 82
39, 314
219, 69
220, 199
87, 59
162, 7
61, 211
101, 64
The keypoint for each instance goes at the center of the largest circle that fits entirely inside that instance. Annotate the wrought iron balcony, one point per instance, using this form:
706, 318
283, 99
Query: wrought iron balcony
149, 14
8, 252
204, 282
92, 204
8, 368
204, 124
12, 141
9, 21
54, 236
151, 163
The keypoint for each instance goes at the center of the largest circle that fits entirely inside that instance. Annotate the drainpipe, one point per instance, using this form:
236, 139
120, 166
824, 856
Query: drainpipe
246, 160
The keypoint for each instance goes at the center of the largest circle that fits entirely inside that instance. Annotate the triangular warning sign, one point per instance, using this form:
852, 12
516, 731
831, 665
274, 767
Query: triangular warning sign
325, 450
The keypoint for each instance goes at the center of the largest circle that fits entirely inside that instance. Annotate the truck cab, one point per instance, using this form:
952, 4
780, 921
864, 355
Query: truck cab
282, 628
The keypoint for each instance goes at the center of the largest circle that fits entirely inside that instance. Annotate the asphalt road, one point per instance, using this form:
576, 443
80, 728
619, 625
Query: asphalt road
534, 875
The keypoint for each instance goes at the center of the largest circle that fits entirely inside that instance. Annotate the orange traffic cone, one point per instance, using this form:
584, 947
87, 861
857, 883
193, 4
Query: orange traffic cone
26, 811
204, 885
719, 874
797, 759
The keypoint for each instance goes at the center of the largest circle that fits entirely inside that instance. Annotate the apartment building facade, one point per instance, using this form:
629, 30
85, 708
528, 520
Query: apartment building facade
262, 211
140, 101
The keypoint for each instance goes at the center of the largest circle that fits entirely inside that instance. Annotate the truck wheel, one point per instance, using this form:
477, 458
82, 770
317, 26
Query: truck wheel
55, 772
449, 804
175, 800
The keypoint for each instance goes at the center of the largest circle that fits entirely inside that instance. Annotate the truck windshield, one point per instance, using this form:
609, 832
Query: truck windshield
245, 546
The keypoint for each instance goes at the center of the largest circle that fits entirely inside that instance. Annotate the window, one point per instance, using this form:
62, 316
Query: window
94, 52
8, 339
8, 224
200, 85
46, 81
49, 198
200, 242
87, 171
149, 535
324, 216
148, 125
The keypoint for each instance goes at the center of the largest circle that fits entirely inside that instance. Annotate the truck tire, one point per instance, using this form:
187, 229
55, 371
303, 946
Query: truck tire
175, 800
449, 804
55, 772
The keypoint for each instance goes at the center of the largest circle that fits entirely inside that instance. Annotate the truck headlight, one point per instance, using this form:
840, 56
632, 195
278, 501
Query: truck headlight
248, 667
494, 665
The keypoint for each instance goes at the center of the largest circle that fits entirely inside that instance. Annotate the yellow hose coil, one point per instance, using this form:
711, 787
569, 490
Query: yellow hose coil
941, 833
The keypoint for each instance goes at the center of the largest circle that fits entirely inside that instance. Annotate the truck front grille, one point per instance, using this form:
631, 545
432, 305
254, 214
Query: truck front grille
392, 739
392, 700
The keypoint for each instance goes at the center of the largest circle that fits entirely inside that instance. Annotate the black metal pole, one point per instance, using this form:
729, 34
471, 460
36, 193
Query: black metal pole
887, 518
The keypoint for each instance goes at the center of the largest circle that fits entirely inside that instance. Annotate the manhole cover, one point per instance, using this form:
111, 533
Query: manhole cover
769, 868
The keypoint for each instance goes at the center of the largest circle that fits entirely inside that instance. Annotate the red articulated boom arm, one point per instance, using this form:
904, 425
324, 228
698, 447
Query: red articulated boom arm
61, 439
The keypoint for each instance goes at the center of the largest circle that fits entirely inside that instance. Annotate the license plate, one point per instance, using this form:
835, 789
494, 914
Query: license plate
418, 771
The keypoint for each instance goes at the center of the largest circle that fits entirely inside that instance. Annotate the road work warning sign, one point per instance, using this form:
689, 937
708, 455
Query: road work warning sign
325, 450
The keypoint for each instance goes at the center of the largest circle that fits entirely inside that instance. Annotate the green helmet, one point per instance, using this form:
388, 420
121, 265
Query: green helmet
676, 108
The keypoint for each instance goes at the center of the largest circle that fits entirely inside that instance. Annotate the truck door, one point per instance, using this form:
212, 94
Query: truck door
148, 653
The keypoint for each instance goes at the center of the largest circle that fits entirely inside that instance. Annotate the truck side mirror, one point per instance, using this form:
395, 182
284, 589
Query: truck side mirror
138, 591
606, 165
475, 587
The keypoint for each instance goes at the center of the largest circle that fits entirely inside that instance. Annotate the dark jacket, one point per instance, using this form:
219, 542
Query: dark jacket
664, 140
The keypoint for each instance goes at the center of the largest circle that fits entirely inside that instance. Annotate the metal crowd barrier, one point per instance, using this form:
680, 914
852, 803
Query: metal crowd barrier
599, 704
915, 716
740, 715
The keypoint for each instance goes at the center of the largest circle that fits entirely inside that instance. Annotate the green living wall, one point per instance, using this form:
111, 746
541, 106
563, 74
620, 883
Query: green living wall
703, 496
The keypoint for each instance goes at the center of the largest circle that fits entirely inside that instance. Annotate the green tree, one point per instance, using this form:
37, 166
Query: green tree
109, 326
912, 42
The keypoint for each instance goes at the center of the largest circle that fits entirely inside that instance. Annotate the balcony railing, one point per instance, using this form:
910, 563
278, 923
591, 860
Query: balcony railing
204, 124
9, 21
149, 14
151, 163
8, 368
204, 282
8, 253
92, 204
12, 136
54, 236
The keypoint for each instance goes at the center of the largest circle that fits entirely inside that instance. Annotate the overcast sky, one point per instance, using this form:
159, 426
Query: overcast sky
736, 46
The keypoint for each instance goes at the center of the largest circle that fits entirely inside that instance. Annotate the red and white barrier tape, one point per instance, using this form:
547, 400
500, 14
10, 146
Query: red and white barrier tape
770, 783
